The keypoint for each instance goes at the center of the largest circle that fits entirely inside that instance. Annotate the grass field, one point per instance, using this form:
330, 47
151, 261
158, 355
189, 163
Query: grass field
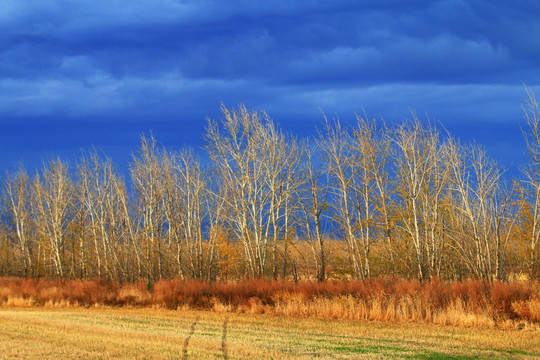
120, 333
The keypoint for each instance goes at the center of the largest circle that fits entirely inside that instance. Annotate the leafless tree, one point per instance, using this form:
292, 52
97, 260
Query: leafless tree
341, 159
146, 176
52, 196
405, 200
192, 189
476, 183
18, 202
100, 201
255, 167
173, 209
532, 174
370, 184
503, 218
313, 206
435, 203
416, 160
130, 230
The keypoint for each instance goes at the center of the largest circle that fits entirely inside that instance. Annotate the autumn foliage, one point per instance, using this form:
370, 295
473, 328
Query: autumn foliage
466, 303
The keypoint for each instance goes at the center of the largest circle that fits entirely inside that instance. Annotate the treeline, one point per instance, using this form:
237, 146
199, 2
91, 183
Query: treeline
359, 201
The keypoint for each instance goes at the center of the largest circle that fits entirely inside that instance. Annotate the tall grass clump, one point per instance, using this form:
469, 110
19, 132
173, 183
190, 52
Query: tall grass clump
41, 292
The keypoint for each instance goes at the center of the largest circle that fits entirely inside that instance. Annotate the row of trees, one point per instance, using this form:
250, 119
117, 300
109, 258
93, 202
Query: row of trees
360, 201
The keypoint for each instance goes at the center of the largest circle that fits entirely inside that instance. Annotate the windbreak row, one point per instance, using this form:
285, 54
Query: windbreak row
358, 201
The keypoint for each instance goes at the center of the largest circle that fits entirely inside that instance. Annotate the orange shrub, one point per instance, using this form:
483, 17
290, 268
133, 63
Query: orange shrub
468, 303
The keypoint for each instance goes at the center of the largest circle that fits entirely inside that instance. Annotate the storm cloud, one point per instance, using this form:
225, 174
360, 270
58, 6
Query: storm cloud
133, 66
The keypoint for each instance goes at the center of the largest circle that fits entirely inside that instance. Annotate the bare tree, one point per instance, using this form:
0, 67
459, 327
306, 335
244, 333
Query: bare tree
357, 165
146, 176
378, 146
100, 203
476, 182
313, 206
251, 160
130, 230
404, 201
435, 202
416, 162
173, 209
192, 193
294, 181
18, 201
338, 157
370, 184
503, 218
532, 173
52, 196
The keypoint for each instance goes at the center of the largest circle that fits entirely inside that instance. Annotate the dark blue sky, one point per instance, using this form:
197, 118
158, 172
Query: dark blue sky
76, 74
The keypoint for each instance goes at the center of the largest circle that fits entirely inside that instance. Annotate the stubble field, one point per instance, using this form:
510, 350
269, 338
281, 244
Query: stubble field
124, 333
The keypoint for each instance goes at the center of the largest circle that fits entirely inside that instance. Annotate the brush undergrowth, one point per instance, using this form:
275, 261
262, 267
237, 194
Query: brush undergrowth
464, 303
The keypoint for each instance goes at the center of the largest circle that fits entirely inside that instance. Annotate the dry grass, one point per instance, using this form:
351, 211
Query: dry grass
143, 333
468, 303
72, 292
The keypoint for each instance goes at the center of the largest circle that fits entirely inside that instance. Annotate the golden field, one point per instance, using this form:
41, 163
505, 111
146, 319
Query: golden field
100, 332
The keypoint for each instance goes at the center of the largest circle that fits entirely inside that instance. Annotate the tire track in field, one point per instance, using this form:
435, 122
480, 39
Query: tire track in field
188, 338
224, 340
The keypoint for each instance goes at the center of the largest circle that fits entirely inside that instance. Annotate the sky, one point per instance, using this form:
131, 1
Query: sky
81, 74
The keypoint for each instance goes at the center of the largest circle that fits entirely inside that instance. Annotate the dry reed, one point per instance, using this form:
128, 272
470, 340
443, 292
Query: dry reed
463, 303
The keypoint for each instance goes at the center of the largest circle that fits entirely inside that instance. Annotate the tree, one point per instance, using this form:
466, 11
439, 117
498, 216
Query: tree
192, 198
532, 174
339, 159
101, 206
371, 184
313, 206
146, 176
18, 202
253, 166
476, 185
419, 185
52, 196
